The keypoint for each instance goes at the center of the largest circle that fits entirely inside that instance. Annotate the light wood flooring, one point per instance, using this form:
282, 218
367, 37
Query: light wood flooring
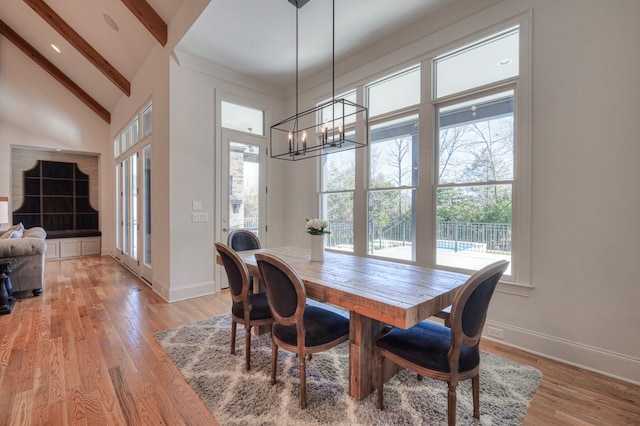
84, 353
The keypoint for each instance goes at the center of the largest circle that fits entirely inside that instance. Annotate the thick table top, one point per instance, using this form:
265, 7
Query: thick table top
395, 293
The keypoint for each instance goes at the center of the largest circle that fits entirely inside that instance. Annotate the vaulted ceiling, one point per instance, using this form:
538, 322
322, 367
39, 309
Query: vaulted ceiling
103, 43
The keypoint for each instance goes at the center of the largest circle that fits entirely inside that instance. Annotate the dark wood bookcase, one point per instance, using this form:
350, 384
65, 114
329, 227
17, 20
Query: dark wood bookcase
56, 197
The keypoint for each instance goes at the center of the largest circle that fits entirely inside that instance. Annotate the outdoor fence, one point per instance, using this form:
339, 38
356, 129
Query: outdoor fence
456, 236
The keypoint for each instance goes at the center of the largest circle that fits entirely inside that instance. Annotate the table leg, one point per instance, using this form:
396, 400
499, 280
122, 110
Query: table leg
363, 332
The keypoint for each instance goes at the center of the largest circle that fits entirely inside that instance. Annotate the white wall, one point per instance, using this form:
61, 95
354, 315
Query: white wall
38, 112
585, 201
586, 204
152, 83
195, 139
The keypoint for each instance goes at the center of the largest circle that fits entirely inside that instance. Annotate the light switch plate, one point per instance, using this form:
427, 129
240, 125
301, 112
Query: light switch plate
199, 217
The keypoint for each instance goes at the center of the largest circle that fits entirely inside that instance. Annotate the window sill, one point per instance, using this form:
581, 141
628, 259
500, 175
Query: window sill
514, 288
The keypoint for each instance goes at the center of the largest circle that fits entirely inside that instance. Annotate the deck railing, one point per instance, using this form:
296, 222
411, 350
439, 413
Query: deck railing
457, 236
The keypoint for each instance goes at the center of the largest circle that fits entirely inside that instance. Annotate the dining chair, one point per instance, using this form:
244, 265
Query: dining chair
442, 353
249, 309
241, 240
298, 328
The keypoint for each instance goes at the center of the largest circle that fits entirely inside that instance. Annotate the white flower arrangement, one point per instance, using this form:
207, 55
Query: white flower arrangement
317, 226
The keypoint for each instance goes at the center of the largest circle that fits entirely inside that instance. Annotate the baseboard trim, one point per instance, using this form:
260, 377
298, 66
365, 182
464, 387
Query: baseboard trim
190, 291
597, 360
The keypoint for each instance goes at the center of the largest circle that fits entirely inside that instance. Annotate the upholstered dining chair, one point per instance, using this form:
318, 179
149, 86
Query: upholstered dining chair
241, 240
298, 328
442, 353
247, 308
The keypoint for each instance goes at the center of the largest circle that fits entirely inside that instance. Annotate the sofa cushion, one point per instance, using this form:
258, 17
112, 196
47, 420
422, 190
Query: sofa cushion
35, 232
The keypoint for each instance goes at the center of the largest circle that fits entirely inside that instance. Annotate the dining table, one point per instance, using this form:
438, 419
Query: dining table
376, 293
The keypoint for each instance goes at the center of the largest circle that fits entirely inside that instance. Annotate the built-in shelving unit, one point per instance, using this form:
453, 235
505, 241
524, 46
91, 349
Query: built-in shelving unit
56, 198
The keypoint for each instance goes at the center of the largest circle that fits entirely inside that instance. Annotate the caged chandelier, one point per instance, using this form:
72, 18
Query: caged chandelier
326, 128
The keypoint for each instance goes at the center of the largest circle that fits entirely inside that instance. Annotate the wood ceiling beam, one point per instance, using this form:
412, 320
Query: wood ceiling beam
149, 18
65, 30
31, 52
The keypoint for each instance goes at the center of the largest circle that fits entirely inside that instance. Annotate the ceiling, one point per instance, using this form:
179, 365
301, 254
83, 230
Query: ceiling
256, 38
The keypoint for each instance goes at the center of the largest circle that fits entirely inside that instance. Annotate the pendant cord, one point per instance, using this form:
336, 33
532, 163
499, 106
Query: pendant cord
297, 94
333, 50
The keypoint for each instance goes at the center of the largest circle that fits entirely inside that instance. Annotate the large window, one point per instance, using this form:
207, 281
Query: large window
445, 179
475, 148
393, 165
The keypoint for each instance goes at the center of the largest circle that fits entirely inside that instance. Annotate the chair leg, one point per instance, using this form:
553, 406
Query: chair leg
233, 337
274, 362
247, 348
303, 383
475, 386
380, 382
451, 405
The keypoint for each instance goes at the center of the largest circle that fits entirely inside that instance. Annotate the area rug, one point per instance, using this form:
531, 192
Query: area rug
238, 397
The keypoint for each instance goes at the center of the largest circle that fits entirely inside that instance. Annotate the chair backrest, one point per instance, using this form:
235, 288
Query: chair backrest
237, 272
285, 291
470, 306
241, 239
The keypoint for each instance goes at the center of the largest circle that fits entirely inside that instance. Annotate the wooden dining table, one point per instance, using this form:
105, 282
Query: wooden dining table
375, 292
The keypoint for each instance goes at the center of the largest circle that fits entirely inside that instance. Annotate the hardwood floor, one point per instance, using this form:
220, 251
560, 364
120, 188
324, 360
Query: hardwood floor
84, 353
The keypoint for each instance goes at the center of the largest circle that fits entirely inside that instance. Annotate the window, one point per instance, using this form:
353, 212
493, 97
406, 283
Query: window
393, 166
393, 179
242, 118
447, 172
147, 121
394, 93
492, 59
475, 147
336, 198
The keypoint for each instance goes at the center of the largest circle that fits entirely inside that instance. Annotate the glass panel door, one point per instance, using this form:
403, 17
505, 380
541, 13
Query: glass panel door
145, 199
243, 188
128, 212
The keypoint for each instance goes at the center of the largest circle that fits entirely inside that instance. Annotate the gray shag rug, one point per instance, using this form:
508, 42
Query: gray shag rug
239, 397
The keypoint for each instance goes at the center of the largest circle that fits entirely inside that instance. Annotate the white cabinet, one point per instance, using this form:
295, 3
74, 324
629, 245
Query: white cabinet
61, 248
53, 249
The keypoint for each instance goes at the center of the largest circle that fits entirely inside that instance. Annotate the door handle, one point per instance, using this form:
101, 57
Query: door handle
224, 229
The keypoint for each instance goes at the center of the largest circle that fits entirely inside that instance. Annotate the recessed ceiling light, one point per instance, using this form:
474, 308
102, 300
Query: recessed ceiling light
111, 22
54, 47
505, 61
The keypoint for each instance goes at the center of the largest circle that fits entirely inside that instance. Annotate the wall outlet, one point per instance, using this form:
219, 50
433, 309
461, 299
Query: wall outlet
498, 333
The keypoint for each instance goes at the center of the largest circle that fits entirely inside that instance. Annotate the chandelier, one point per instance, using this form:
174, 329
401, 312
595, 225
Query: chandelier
326, 128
